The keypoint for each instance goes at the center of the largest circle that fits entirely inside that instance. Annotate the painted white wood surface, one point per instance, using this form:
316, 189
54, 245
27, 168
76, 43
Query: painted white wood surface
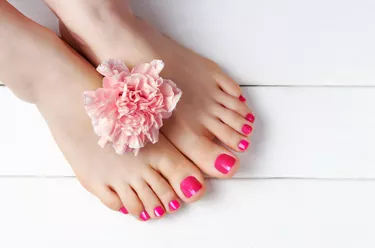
300, 132
22, 212
235, 213
268, 42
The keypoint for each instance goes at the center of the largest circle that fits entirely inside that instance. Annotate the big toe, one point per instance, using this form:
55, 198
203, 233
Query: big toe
185, 178
212, 158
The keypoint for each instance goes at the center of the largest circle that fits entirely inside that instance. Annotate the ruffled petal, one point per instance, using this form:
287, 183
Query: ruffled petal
111, 67
171, 94
158, 65
153, 135
151, 69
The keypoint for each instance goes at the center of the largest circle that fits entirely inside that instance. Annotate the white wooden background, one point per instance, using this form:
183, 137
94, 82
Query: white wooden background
308, 68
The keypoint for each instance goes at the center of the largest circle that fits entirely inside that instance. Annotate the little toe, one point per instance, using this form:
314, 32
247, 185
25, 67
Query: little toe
233, 120
228, 85
162, 189
130, 201
235, 105
153, 208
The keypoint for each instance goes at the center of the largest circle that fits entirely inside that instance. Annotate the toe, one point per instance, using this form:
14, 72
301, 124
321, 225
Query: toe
186, 179
213, 159
162, 189
232, 119
216, 160
227, 135
111, 199
203, 152
235, 105
229, 86
130, 201
153, 208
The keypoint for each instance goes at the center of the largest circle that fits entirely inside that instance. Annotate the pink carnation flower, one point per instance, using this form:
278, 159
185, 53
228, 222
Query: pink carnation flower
129, 110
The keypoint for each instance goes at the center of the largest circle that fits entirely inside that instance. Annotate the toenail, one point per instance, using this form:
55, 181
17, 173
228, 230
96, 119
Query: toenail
124, 210
190, 186
243, 145
159, 211
174, 205
144, 216
250, 117
224, 163
242, 98
246, 129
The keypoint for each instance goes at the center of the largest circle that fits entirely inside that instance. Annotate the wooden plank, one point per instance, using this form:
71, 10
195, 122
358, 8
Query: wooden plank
22, 211
273, 42
267, 42
300, 132
235, 213
312, 132
26, 145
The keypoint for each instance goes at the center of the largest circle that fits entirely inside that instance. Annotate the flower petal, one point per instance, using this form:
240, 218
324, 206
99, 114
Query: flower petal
146, 69
158, 65
111, 67
171, 94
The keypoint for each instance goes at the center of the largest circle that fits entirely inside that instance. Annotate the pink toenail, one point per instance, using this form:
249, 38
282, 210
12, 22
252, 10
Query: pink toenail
242, 98
246, 129
190, 186
243, 145
250, 117
144, 216
124, 210
174, 205
224, 163
159, 211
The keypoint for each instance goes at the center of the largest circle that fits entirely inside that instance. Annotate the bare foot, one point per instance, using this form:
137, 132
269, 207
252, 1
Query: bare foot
211, 106
148, 185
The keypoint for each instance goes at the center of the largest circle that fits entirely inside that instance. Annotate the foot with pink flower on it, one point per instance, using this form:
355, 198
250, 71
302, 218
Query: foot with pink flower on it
212, 105
148, 186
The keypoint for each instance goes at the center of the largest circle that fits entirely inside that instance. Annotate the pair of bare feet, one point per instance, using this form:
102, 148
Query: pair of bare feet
163, 175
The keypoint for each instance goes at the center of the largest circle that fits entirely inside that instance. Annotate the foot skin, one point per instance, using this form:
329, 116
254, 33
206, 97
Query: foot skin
212, 105
147, 186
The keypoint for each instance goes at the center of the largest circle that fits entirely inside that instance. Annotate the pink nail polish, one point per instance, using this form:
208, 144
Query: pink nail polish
246, 129
124, 210
174, 205
144, 216
224, 163
243, 145
159, 211
250, 117
190, 186
242, 98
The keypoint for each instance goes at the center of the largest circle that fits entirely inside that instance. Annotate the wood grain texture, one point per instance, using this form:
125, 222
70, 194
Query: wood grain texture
236, 213
299, 132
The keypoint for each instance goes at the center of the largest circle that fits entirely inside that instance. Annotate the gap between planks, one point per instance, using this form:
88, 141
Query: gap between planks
216, 179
